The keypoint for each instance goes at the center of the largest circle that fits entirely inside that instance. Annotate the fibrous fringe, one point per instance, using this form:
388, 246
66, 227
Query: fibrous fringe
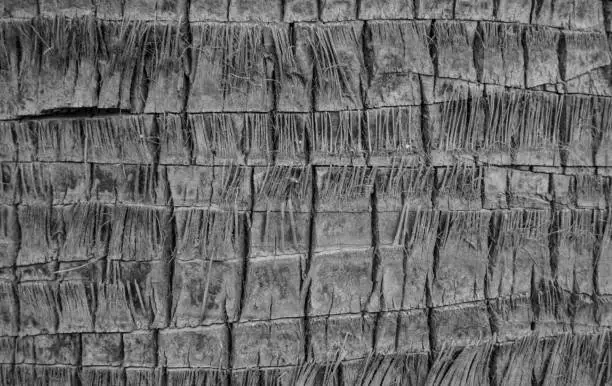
346, 183
417, 229
407, 180
337, 133
215, 134
578, 120
142, 377
39, 243
204, 377
125, 136
461, 225
578, 228
87, 229
591, 186
38, 298
394, 130
521, 226
506, 114
75, 311
234, 52
407, 36
461, 180
334, 75
9, 326
542, 121
462, 120
231, 186
542, 37
290, 135
204, 234
572, 360
101, 376
126, 300
464, 366
530, 120
138, 233
174, 139
285, 183
258, 134
452, 35
9, 31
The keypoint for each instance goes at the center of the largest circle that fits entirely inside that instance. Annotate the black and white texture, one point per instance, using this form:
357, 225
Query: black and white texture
279, 192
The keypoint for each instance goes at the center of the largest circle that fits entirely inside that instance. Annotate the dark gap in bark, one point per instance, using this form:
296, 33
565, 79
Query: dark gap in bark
562, 55
98, 81
246, 244
425, 124
306, 273
493, 245
376, 259
493, 365
374, 329
596, 134
430, 323
495, 9
230, 345
368, 55
478, 52
70, 112
564, 134
536, 8
433, 50
17, 304
525, 56
156, 346
553, 232
170, 250
533, 297
187, 40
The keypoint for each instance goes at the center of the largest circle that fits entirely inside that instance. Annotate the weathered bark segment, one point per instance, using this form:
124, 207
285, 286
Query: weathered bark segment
305, 192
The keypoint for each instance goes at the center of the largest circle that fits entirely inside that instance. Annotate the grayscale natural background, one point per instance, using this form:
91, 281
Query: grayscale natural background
279, 192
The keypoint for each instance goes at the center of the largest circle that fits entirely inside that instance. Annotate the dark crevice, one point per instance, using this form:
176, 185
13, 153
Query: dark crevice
493, 365
562, 56
478, 52
495, 9
71, 113
230, 345
553, 232
306, 273
368, 52
376, 260
493, 250
536, 8
374, 341
525, 57
433, 50
430, 322
425, 124
533, 296
246, 247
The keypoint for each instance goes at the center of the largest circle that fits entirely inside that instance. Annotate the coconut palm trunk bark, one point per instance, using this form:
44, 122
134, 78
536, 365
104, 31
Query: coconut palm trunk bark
335, 192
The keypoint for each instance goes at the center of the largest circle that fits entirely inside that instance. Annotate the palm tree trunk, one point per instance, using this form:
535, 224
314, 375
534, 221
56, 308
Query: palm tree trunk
307, 192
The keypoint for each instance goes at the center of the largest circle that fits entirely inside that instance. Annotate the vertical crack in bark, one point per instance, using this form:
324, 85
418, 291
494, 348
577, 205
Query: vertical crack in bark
478, 53
305, 290
376, 264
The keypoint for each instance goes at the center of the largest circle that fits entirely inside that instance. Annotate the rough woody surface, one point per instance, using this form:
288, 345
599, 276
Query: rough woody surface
310, 192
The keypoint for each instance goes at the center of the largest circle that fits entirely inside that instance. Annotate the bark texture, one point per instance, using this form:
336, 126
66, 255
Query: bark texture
279, 192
